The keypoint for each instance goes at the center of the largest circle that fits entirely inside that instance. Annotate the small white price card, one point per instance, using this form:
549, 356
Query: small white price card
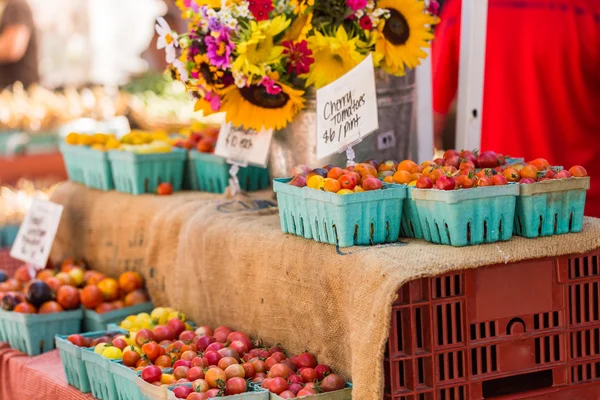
244, 146
347, 110
37, 232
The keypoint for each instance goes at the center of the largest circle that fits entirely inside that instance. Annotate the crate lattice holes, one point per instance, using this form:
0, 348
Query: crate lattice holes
523, 330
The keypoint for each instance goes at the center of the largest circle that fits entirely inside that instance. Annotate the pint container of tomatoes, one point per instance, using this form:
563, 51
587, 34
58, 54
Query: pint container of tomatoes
70, 350
343, 217
551, 201
461, 217
138, 173
34, 333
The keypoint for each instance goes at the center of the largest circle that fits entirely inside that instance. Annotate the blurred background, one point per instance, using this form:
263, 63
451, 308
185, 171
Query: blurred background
88, 66
76, 65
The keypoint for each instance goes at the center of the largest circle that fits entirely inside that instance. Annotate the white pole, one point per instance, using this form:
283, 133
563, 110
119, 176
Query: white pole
471, 73
424, 110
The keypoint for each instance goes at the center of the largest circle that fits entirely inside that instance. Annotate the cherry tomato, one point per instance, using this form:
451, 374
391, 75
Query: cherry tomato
578, 171
163, 361
424, 183
214, 375
484, 181
332, 382
235, 370
151, 374
235, 385
131, 358
279, 371
499, 180
151, 350
278, 385
308, 375
248, 370
164, 188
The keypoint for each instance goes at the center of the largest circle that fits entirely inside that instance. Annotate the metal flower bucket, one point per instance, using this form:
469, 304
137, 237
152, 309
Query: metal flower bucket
297, 142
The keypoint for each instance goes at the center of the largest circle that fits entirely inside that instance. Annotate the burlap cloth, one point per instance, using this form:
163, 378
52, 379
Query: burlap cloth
226, 262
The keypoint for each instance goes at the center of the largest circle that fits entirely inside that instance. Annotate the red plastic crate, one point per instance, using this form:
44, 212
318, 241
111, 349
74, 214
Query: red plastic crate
516, 331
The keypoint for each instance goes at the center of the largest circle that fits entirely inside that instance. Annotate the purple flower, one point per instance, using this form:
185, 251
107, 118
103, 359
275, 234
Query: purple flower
356, 5
219, 49
214, 25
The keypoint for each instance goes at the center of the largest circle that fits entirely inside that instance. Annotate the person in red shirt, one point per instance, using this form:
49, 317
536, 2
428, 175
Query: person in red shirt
542, 81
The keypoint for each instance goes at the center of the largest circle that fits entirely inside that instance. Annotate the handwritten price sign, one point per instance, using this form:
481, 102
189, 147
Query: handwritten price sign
37, 232
347, 110
244, 146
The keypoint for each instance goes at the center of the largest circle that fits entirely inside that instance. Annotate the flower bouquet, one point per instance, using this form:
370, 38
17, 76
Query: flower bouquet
254, 59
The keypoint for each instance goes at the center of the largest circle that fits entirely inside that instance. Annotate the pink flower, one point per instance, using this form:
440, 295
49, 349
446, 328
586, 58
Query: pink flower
260, 9
219, 49
270, 85
299, 55
356, 5
366, 23
434, 8
214, 100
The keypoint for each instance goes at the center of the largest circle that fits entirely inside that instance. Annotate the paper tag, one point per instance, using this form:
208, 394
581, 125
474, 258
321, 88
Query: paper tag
347, 110
37, 232
244, 146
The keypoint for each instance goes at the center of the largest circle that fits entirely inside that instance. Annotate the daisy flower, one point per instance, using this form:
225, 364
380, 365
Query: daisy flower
167, 39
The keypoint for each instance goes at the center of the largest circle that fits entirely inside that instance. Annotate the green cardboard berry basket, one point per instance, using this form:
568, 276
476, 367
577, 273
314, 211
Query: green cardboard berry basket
253, 393
72, 361
551, 207
411, 224
344, 394
92, 321
34, 333
365, 218
88, 166
102, 383
8, 234
211, 174
125, 382
467, 216
142, 173
151, 392
3, 334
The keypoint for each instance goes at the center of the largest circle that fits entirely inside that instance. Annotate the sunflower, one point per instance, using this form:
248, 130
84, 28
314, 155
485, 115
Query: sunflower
299, 29
334, 56
257, 47
252, 107
207, 75
300, 6
403, 35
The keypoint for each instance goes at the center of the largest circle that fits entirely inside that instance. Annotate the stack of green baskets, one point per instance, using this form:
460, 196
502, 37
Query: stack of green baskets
34, 333
210, 173
366, 218
72, 360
